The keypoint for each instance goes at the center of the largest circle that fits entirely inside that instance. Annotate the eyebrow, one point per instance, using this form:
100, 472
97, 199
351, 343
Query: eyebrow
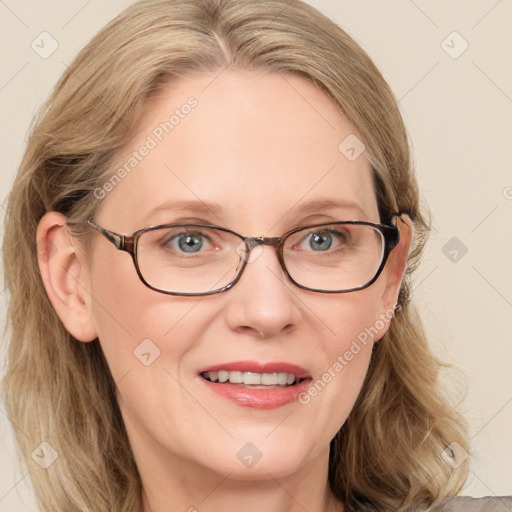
328, 203
215, 208
196, 206
189, 205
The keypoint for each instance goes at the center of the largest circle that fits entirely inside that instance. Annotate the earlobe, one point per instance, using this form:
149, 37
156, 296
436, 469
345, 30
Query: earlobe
64, 276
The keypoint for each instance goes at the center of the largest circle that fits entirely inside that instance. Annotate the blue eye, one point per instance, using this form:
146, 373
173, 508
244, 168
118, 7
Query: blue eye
320, 241
187, 242
325, 240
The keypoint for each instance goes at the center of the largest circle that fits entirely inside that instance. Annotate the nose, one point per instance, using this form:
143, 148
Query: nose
263, 303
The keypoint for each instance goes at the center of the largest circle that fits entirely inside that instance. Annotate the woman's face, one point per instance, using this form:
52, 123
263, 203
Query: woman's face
259, 154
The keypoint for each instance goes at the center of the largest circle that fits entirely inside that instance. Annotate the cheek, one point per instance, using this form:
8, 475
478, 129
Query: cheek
351, 320
138, 327
149, 340
354, 322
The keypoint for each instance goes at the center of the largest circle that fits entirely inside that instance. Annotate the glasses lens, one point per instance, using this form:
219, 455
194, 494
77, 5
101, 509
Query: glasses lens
188, 259
334, 257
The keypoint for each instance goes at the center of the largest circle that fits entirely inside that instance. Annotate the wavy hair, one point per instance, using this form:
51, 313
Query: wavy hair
388, 454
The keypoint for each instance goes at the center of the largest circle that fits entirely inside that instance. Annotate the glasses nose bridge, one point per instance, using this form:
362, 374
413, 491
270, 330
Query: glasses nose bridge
252, 242
275, 241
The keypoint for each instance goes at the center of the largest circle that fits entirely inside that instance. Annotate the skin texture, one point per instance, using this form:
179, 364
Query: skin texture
261, 146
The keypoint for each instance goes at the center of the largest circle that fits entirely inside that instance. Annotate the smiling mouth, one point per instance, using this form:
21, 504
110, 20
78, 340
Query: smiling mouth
251, 379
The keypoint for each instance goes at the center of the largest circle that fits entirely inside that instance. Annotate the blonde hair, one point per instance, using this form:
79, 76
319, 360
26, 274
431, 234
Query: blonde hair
388, 454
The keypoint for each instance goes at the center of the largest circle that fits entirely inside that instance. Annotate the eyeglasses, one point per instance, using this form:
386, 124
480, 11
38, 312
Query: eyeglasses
203, 259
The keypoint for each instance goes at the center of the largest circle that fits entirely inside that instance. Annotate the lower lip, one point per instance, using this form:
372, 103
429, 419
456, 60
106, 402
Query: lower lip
258, 398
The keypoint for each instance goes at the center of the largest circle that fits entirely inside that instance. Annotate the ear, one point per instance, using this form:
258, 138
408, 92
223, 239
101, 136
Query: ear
397, 263
64, 275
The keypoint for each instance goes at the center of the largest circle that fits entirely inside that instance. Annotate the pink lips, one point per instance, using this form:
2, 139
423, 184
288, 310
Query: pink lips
254, 397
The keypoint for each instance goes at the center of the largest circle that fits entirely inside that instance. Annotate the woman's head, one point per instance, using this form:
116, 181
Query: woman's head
256, 116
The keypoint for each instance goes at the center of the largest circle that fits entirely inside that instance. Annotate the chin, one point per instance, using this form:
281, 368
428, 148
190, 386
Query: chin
260, 458
273, 467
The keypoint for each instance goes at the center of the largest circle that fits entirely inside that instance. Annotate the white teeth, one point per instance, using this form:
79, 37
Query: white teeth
281, 378
236, 377
269, 379
251, 378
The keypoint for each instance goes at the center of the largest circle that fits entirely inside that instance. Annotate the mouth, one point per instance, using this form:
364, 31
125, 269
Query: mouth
253, 380
256, 385
256, 375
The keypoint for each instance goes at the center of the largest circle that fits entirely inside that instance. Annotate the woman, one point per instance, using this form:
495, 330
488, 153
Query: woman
177, 361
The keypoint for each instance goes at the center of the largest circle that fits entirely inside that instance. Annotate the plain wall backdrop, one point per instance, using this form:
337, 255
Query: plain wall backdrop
448, 64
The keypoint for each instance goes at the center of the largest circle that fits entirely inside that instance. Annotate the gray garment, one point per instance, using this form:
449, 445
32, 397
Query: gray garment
467, 504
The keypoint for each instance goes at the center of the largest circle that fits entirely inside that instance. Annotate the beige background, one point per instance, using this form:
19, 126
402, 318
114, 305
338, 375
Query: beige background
459, 112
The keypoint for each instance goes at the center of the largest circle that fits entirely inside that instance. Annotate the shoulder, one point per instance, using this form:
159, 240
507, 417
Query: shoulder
467, 504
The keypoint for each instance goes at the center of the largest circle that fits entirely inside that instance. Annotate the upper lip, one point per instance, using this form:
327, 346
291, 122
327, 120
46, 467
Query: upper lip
257, 367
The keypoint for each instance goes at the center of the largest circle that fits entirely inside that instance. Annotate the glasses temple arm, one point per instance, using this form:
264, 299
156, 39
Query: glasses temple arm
119, 241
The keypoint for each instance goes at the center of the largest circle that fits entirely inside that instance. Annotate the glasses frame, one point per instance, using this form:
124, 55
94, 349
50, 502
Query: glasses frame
390, 234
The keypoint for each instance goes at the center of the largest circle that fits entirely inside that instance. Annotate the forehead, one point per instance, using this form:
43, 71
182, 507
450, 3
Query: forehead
258, 145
